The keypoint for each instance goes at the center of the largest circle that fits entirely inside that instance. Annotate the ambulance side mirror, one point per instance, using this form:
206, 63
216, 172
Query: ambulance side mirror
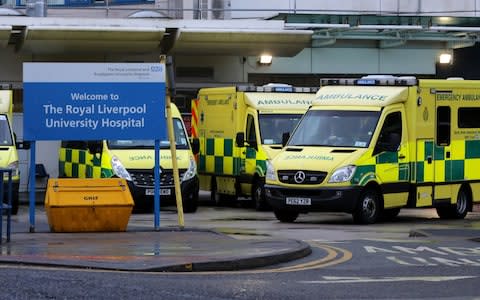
240, 139
24, 145
285, 137
195, 145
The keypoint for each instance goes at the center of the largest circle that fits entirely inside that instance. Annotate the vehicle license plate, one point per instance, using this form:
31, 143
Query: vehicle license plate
150, 192
299, 201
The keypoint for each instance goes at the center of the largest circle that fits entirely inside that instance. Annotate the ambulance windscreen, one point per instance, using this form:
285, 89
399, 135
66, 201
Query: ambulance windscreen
272, 126
335, 128
180, 140
5, 134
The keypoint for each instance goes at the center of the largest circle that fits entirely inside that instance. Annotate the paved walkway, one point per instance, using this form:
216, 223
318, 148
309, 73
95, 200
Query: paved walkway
169, 249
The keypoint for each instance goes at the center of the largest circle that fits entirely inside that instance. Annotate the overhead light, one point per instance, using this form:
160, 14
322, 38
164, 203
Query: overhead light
265, 59
445, 58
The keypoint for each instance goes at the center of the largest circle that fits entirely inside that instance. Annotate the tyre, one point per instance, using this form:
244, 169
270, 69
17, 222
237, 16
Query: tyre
286, 216
215, 197
368, 208
15, 203
458, 210
190, 203
258, 196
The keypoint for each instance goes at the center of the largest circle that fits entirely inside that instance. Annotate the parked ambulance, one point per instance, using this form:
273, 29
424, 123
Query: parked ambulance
8, 149
134, 160
374, 145
239, 128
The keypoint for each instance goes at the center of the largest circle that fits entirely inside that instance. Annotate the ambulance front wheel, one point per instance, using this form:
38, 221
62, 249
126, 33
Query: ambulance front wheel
368, 208
458, 210
286, 216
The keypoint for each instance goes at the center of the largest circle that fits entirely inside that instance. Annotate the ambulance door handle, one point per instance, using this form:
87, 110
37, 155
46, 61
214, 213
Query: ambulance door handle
401, 156
429, 159
448, 154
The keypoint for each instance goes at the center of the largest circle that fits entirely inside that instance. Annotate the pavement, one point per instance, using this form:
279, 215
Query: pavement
140, 249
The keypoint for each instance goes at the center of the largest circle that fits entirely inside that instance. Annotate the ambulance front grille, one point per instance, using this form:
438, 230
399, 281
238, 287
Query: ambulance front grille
145, 179
309, 177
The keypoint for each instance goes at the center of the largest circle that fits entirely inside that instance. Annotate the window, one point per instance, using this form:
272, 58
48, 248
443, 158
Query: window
251, 135
391, 134
468, 117
335, 128
80, 145
443, 125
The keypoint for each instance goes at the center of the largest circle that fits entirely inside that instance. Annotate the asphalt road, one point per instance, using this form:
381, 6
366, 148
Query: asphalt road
415, 256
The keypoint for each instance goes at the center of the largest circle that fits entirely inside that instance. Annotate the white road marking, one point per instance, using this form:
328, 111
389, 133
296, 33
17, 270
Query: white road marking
335, 279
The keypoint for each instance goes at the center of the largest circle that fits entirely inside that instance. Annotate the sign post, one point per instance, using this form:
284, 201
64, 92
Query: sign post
92, 101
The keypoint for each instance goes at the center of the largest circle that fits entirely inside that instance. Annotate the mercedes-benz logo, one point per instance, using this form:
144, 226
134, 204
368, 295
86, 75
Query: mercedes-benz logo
299, 177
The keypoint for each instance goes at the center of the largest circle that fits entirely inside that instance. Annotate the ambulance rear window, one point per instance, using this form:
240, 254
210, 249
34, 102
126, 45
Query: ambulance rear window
468, 117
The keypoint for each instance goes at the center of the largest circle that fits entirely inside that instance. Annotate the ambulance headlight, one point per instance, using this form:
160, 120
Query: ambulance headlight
119, 169
271, 174
191, 171
15, 170
342, 174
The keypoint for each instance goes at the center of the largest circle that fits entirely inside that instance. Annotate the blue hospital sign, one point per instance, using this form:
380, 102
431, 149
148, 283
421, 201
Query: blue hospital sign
94, 101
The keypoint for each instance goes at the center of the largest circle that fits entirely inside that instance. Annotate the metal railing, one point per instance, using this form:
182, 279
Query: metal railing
6, 206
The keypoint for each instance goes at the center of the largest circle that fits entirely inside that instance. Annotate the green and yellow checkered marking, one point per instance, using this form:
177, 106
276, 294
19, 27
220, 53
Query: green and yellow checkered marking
77, 163
221, 156
463, 164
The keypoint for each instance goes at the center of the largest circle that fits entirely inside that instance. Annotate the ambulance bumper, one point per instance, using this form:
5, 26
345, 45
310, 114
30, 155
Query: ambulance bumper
342, 199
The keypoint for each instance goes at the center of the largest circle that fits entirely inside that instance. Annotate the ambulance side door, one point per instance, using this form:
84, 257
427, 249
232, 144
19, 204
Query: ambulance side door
392, 159
251, 143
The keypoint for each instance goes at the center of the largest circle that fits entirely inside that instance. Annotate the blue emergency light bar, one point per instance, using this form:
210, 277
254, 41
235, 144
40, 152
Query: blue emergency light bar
276, 88
282, 89
367, 82
372, 80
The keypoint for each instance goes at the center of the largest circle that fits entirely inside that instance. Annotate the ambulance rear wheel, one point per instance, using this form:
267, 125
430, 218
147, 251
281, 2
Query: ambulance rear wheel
286, 216
458, 210
215, 197
258, 196
368, 208
15, 203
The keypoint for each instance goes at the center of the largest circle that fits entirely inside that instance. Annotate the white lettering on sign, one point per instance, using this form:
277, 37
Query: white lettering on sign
122, 110
445, 256
62, 123
85, 96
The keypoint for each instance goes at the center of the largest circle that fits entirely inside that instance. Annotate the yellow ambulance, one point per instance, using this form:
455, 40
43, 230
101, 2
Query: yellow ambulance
239, 128
374, 145
8, 148
134, 160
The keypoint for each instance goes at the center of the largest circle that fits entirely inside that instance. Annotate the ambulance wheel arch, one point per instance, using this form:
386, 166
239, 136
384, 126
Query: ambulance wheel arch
460, 208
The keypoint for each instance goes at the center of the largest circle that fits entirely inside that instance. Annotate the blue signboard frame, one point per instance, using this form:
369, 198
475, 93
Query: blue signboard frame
93, 101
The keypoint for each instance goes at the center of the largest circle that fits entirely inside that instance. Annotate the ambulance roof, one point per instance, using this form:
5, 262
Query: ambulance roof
378, 96
279, 101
